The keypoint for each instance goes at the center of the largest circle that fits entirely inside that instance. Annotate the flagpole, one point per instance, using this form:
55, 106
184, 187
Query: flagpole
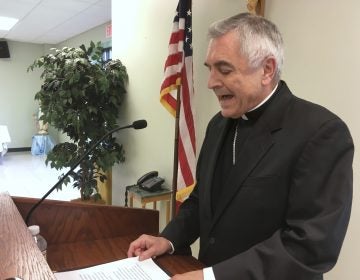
176, 145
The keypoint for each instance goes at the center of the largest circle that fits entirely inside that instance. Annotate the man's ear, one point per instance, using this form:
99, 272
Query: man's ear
269, 66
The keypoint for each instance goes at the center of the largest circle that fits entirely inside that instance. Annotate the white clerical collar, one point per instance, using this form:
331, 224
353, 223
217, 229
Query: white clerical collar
261, 103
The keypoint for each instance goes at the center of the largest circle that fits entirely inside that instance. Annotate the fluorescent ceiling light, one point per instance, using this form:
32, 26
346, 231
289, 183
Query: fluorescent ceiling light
7, 23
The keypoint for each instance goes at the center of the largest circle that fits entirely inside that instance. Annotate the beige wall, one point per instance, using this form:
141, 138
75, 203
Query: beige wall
322, 62
17, 90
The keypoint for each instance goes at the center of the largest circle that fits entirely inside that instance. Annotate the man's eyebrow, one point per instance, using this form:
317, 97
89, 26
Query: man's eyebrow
219, 64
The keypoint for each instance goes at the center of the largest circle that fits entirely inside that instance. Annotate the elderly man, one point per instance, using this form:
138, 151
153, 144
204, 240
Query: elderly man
274, 176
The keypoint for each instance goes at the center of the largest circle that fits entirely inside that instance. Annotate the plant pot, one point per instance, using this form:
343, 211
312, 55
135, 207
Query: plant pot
105, 188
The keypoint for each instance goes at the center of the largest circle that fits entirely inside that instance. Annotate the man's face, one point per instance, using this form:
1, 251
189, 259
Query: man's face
238, 87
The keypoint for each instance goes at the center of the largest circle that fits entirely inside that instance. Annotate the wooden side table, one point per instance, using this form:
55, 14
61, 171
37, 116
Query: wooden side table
145, 197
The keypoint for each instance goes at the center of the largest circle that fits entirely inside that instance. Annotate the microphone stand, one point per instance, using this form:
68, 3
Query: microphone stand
72, 169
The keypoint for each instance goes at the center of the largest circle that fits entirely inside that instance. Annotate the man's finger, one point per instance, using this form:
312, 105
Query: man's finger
147, 254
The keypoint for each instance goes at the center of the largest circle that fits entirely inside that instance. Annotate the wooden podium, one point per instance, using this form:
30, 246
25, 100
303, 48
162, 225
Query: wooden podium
79, 235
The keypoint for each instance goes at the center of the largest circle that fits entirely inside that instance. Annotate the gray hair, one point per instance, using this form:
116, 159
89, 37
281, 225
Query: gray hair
259, 38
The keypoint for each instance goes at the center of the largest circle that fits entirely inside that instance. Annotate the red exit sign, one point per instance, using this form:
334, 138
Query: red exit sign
108, 31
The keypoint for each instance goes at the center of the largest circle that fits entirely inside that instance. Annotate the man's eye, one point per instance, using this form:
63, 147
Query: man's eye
225, 71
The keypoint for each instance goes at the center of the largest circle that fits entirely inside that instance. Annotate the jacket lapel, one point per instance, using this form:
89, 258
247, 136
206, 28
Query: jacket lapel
216, 143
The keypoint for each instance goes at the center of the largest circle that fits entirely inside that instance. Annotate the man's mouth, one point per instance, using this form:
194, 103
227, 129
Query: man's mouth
225, 97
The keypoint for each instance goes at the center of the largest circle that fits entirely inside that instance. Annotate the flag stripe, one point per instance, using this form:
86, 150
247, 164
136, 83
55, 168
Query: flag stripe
171, 65
171, 81
176, 37
186, 101
184, 165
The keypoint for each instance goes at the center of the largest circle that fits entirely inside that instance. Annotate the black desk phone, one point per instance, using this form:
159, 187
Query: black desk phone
150, 181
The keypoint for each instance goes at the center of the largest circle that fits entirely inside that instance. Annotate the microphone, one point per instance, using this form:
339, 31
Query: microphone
139, 124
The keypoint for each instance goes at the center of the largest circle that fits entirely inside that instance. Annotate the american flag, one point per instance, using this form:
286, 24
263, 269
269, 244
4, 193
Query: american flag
179, 74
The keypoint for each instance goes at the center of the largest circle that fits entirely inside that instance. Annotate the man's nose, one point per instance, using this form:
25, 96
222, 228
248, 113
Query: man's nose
213, 80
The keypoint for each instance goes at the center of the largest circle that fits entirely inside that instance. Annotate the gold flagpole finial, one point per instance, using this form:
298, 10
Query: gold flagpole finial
251, 5
256, 7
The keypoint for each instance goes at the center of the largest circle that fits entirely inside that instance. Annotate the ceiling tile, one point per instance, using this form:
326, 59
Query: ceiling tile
53, 21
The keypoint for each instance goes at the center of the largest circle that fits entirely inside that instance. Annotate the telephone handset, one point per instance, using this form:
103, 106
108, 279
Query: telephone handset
150, 181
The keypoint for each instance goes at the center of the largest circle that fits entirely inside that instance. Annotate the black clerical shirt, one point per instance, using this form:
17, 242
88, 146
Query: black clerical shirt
226, 160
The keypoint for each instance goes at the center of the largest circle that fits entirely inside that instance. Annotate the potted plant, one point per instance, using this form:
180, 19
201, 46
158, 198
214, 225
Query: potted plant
81, 96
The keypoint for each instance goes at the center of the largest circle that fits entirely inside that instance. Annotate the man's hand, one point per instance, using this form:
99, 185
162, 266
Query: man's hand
147, 246
192, 275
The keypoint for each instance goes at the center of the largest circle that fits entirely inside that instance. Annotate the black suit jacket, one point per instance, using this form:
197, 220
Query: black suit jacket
287, 203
